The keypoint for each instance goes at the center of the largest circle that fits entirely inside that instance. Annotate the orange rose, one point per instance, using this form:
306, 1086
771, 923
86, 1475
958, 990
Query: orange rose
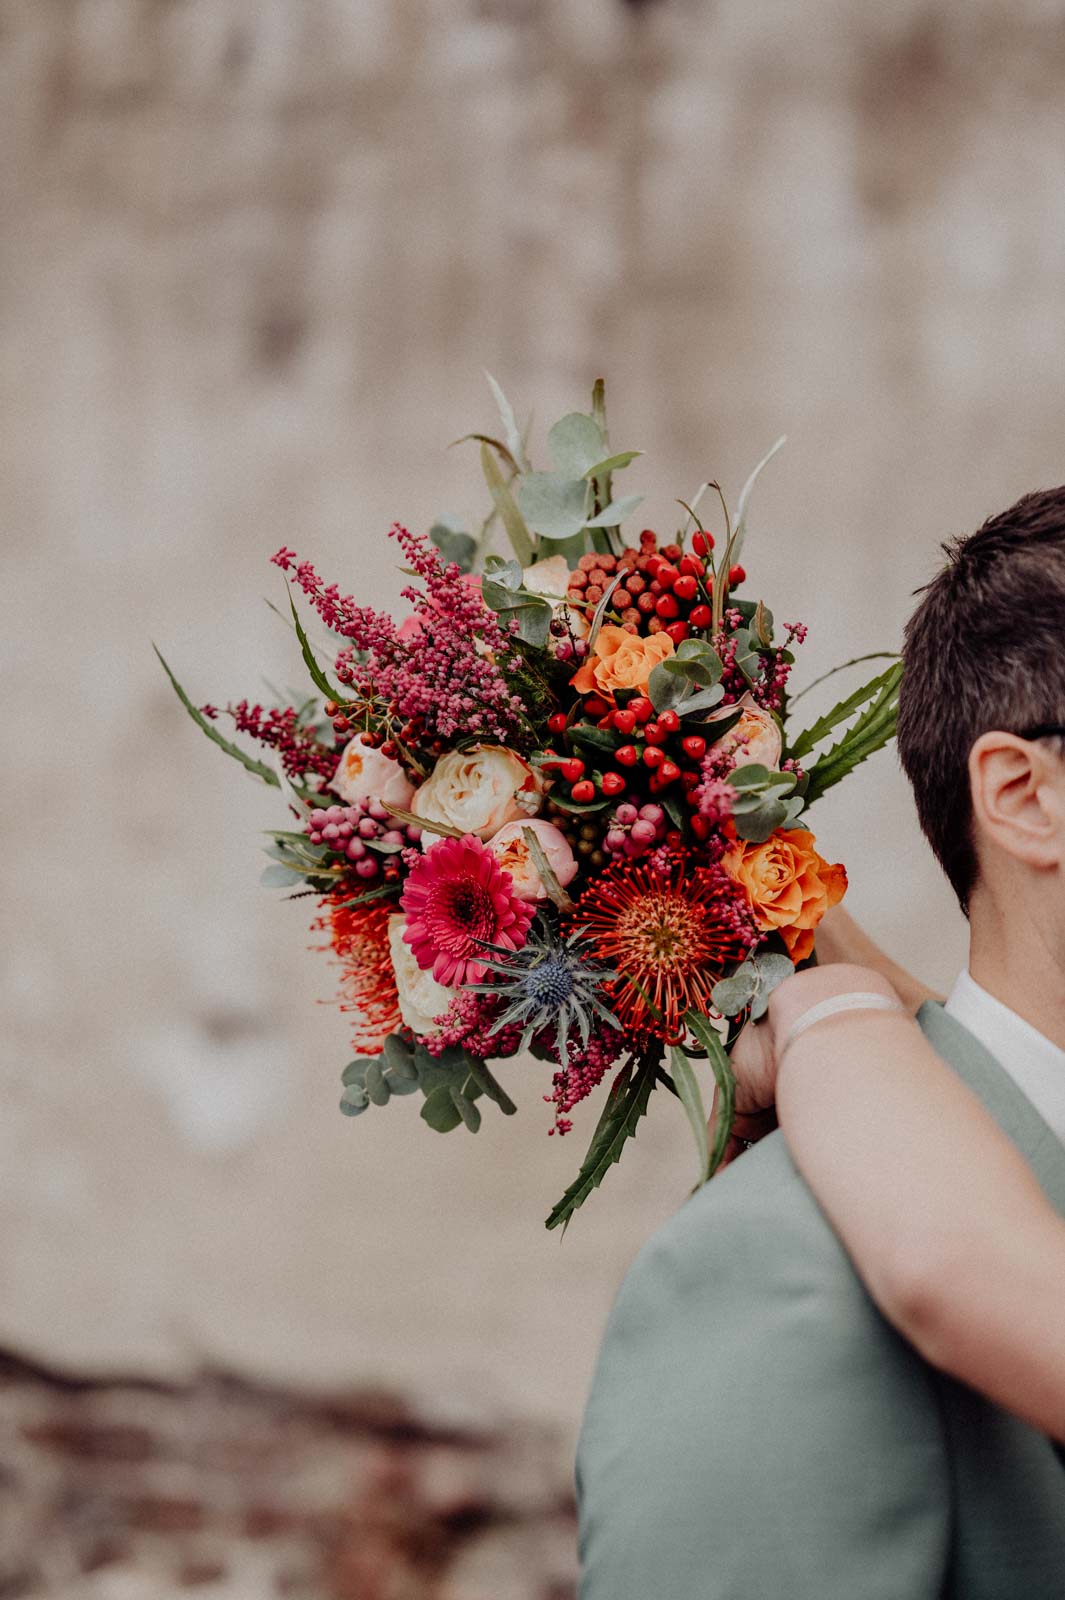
621, 660
789, 886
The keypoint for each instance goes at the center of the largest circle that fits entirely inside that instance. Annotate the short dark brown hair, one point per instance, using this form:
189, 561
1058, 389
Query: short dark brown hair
984, 650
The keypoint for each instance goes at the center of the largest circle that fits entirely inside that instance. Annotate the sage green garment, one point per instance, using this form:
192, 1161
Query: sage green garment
757, 1431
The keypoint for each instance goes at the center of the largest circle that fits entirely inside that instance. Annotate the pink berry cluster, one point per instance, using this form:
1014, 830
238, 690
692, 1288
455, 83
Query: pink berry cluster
635, 830
586, 1070
279, 728
353, 831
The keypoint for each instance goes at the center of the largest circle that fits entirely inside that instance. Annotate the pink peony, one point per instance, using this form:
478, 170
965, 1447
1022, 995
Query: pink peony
456, 895
514, 856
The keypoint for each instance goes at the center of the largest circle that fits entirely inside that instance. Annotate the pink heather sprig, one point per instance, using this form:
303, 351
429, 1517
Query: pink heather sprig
470, 1023
587, 1067
715, 796
445, 670
302, 755
772, 688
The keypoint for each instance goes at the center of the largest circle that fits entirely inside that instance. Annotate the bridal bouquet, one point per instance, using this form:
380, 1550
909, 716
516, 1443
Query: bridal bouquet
559, 809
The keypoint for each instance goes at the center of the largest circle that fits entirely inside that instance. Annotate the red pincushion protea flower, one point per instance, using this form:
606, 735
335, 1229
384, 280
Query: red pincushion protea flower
669, 936
457, 894
359, 939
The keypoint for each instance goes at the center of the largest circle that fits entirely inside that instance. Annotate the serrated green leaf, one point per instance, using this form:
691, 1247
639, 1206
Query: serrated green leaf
259, 768
687, 1085
552, 504
575, 444
626, 1104
874, 655
820, 729
871, 732
616, 512
511, 517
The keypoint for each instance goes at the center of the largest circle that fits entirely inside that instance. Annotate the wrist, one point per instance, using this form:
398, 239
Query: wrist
808, 988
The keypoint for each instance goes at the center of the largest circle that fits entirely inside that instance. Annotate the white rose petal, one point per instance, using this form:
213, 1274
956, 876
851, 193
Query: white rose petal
421, 998
365, 773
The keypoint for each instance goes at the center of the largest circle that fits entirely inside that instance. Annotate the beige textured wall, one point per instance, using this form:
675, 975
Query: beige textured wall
255, 256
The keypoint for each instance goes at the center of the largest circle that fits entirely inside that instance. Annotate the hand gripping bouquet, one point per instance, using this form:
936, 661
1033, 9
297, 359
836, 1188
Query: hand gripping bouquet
560, 809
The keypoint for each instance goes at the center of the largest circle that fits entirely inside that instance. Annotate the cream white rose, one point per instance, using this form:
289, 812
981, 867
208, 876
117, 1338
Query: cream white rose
755, 737
514, 856
478, 790
421, 998
365, 774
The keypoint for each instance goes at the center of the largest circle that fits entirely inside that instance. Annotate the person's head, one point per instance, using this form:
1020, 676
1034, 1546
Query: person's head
984, 670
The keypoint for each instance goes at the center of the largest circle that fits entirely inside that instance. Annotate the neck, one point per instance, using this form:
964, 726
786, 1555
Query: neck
1014, 956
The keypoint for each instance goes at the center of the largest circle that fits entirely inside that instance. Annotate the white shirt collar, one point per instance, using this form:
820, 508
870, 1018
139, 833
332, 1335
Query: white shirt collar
1033, 1061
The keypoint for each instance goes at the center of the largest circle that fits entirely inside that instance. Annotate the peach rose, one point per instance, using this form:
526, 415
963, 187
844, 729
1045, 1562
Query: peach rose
365, 774
789, 886
515, 857
755, 737
621, 660
478, 790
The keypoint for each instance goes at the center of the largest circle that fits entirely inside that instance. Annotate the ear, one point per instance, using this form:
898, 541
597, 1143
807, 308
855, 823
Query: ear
1018, 797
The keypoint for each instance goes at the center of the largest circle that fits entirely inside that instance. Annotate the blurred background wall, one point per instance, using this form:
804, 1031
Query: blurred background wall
255, 256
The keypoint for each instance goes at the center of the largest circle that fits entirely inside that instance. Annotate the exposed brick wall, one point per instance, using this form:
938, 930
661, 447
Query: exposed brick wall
116, 1489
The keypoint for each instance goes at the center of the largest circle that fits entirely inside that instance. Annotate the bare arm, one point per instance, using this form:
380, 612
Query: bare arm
942, 1217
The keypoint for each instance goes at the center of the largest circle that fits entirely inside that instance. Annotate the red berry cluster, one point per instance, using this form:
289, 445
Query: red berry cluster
659, 590
655, 750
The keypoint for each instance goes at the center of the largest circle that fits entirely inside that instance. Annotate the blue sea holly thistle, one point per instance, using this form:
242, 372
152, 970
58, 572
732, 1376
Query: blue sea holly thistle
548, 984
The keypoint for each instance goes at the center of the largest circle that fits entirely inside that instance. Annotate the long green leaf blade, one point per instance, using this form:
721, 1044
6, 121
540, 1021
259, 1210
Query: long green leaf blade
691, 1098
505, 504
318, 677
626, 1104
721, 1066
259, 768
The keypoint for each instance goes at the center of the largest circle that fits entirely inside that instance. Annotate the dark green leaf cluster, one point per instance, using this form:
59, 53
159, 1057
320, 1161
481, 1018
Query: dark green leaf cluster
450, 1083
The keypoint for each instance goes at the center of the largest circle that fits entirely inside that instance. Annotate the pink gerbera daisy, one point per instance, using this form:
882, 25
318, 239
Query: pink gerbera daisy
456, 895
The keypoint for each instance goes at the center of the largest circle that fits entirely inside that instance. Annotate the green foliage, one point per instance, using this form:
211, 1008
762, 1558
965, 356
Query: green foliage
813, 735
450, 1083
503, 592
751, 985
318, 677
687, 681
687, 1087
259, 768
872, 730
552, 504
625, 1105
512, 519
745, 498
454, 544
725, 1081
766, 801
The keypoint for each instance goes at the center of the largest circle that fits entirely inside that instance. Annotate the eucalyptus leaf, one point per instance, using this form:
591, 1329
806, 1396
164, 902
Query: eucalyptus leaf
757, 826
576, 443
376, 1087
612, 463
489, 1086
665, 689
552, 504
616, 512
461, 548
276, 876
440, 1110
353, 1102
748, 659
734, 994
400, 1085
466, 1109
705, 700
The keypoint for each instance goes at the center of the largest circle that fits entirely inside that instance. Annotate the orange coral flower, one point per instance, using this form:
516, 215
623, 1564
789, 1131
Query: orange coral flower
789, 886
621, 660
359, 939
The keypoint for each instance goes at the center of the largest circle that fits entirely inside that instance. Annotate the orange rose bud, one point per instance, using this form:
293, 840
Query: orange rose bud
620, 661
789, 886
